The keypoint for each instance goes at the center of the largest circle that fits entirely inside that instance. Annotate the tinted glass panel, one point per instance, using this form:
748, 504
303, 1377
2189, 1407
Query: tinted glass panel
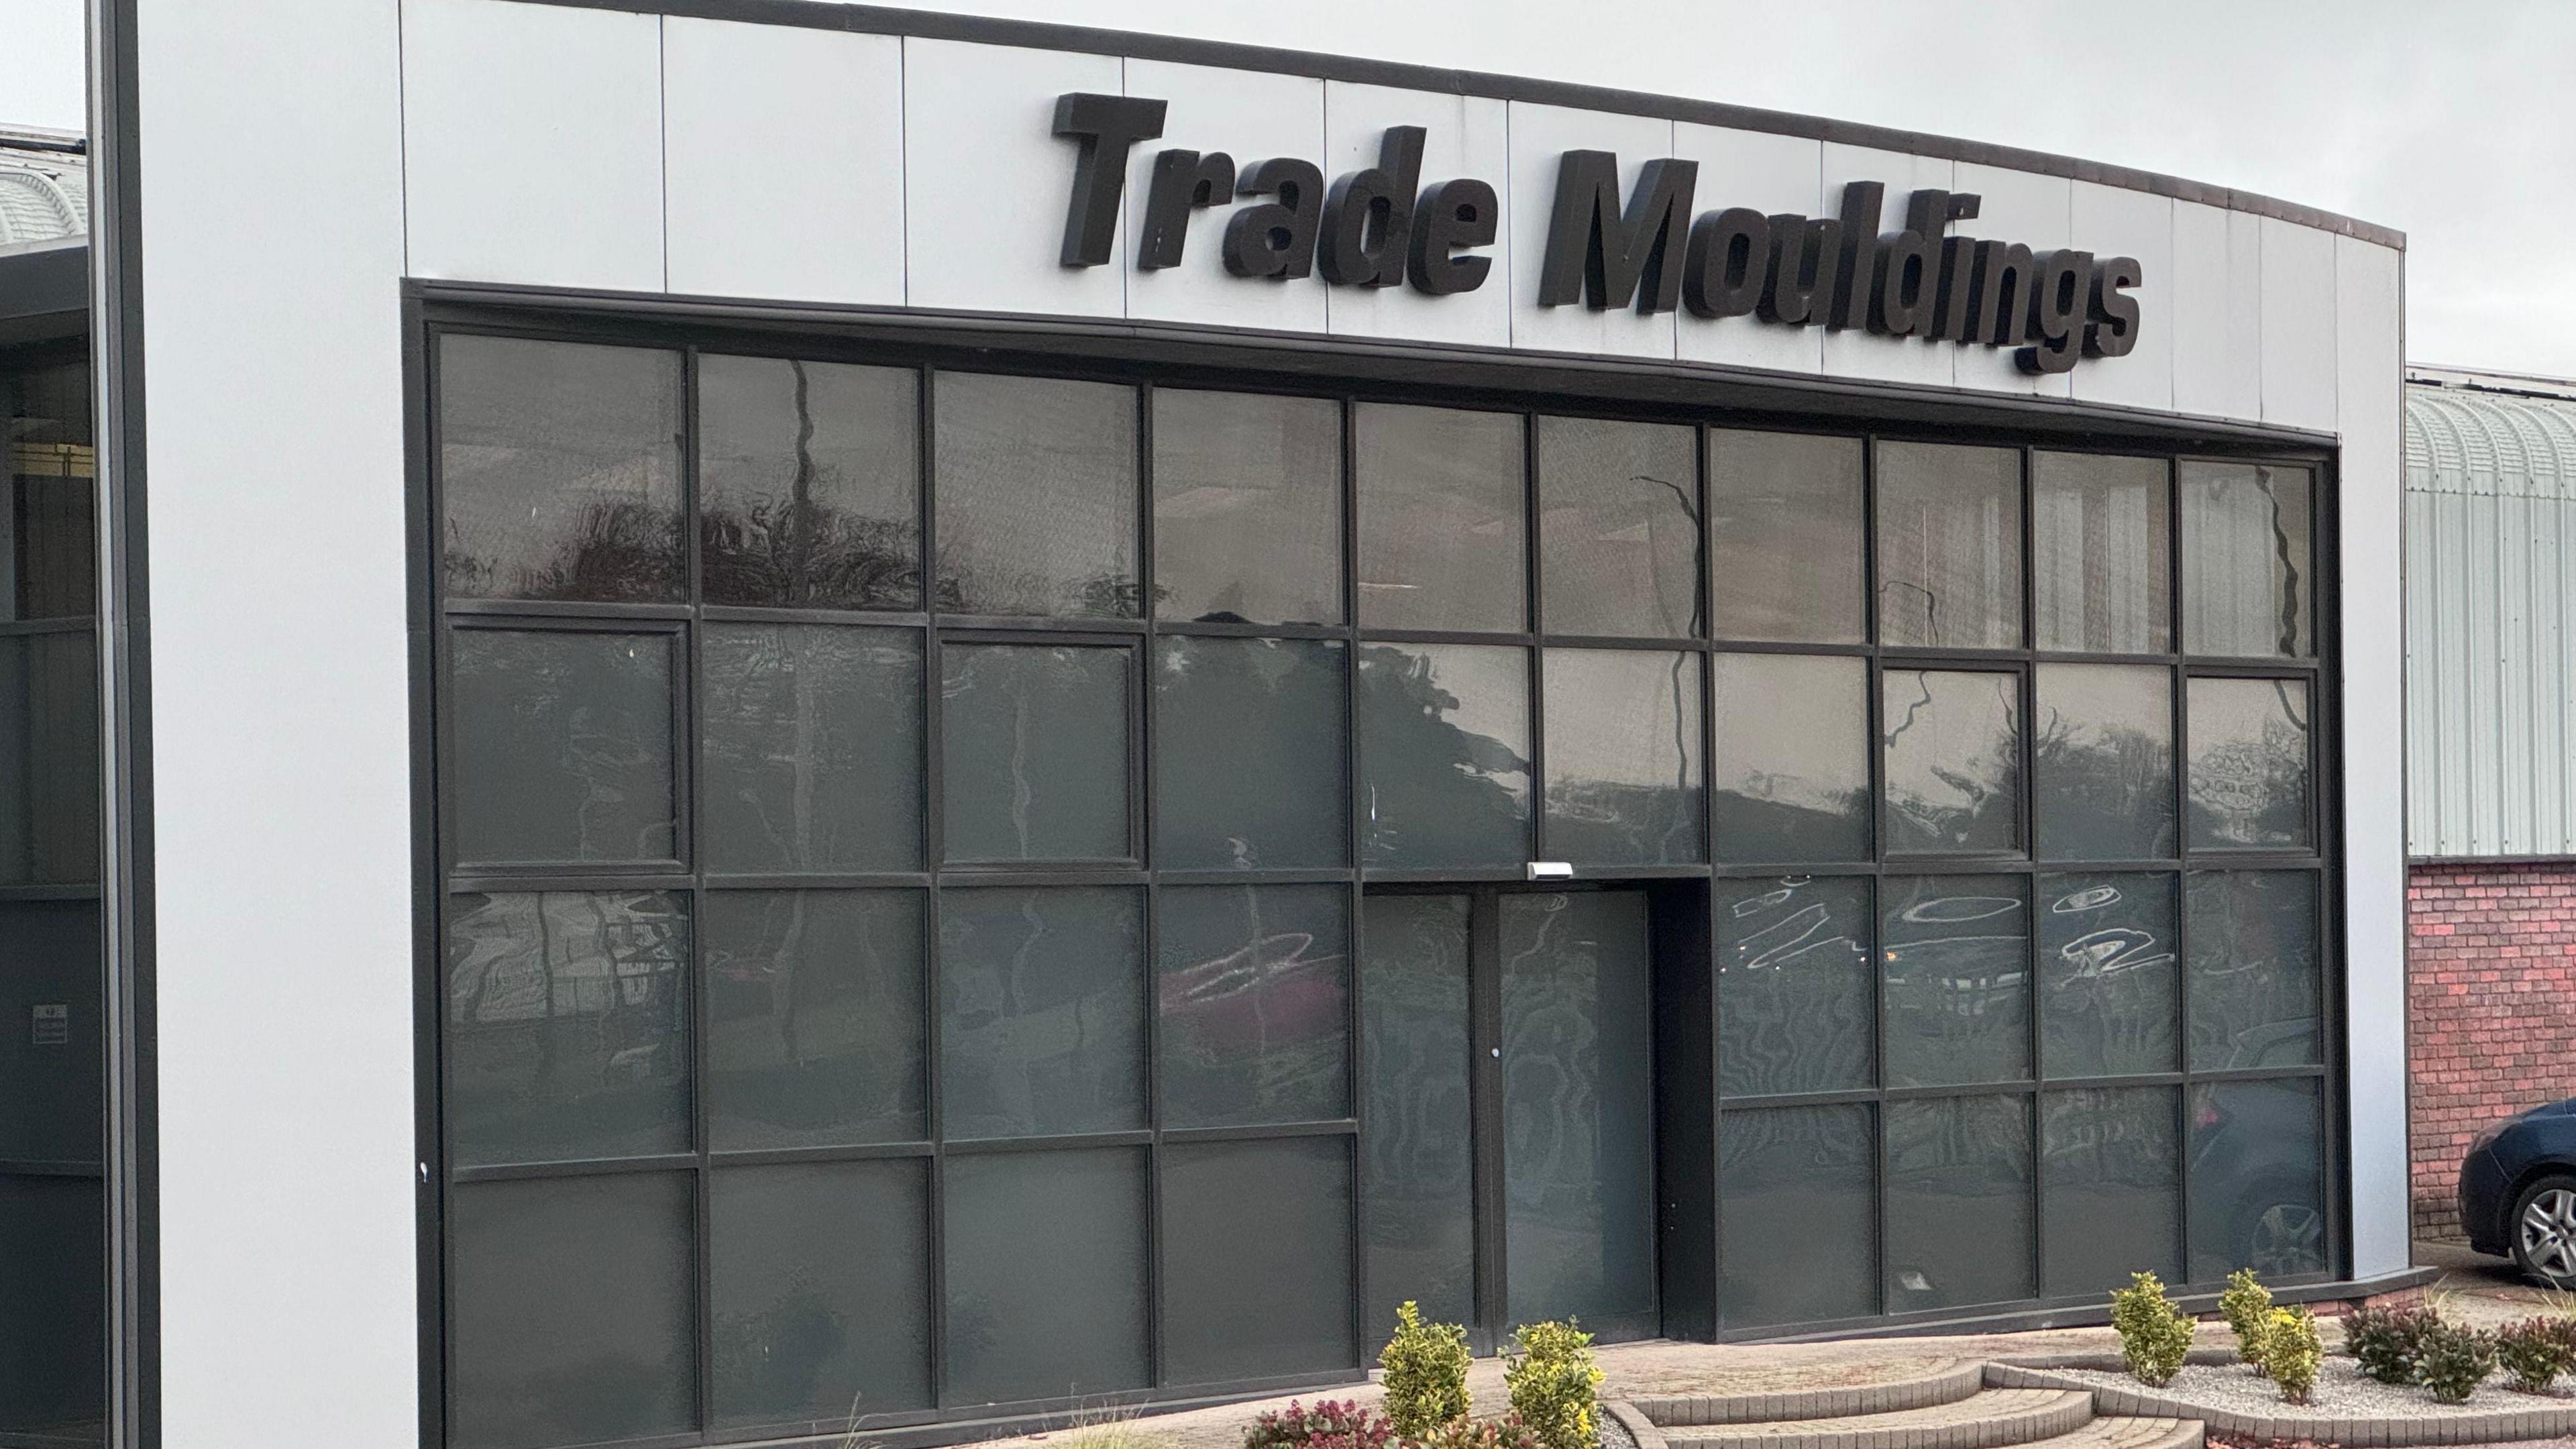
1254, 987
2257, 1192
49, 769
1953, 742
1797, 1215
821, 1300
1618, 528
572, 1304
563, 746
2245, 559
2255, 981
814, 1017
560, 467
52, 1054
1784, 527
1958, 1202
53, 1367
1046, 1274
45, 487
2113, 1164
567, 1026
2102, 761
1247, 507
1792, 773
1623, 760
809, 484
1444, 743
2107, 975
1956, 952
1797, 1007
1949, 546
1441, 523
1416, 1162
2102, 552
1250, 765
1034, 751
811, 748
2249, 763
1042, 1011
1037, 496
1257, 1259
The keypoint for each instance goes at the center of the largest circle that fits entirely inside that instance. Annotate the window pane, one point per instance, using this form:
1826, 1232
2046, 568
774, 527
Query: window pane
1251, 765
53, 1370
2257, 1191
2249, 763
573, 1304
1953, 742
1797, 1007
812, 748
1441, 527
2245, 559
51, 1107
1797, 1215
1784, 526
2107, 975
1042, 1011
1034, 751
563, 746
1958, 1202
1416, 1159
2255, 980
1247, 507
49, 769
2103, 762
567, 1026
1623, 761
809, 484
560, 466
46, 483
1444, 746
1257, 1259
1254, 987
1037, 496
1956, 952
2102, 549
1618, 528
1792, 758
814, 1017
1046, 1274
2113, 1164
1949, 546
821, 1302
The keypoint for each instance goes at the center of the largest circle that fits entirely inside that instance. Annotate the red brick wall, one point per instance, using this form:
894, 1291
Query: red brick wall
2491, 1008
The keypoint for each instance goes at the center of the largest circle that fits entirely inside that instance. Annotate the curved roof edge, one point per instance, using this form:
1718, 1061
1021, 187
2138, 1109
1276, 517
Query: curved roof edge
2511, 441
1050, 35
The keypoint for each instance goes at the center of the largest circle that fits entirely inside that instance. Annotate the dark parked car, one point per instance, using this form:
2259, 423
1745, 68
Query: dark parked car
2518, 1192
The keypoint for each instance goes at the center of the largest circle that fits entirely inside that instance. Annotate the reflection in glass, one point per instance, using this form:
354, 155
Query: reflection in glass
2245, 559
1784, 529
52, 1063
1953, 744
1046, 1259
1247, 507
1796, 1004
1254, 986
1034, 751
1416, 1163
1956, 954
814, 1017
811, 748
1618, 528
807, 1330
1623, 763
808, 484
1042, 1011
2101, 553
2256, 985
1256, 1259
1788, 1180
563, 746
1444, 750
567, 1026
2112, 1165
49, 766
1036, 496
1441, 523
1949, 546
2107, 975
2249, 763
1250, 768
559, 464
48, 470
2102, 762
1792, 776
1959, 1210
2257, 1187
53, 1362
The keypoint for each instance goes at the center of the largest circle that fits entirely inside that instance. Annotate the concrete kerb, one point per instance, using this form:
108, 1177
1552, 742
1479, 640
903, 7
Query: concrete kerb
2501, 1426
1949, 1383
1647, 1433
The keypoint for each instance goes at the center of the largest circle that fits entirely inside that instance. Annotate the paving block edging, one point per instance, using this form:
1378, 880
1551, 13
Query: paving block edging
1949, 1383
1647, 1433
2490, 1427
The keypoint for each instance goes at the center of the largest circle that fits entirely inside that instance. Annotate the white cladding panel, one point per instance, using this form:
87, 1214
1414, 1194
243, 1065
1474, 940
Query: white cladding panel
1774, 175
1252, 118
2142, 223
1856, 353
2036, 211
2299, 305
1462, 136
1540, 136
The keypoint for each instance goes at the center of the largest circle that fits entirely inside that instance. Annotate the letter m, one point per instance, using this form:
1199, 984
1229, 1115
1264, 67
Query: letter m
1600, 254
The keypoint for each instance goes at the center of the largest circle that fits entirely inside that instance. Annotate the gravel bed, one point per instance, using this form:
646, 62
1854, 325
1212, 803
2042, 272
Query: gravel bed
1613, 1434
2342, 1391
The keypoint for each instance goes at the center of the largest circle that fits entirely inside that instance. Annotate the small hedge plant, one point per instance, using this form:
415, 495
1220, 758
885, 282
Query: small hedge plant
2155, 1336
1426, 1374
1553, 1384
1507, 1432
2287, 1340
2388, 1341
2452, 1361
1331, 1424
2247, 1305
2536, 1351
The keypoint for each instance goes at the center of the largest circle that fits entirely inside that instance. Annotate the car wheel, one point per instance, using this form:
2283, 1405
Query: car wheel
2543, 1231
2284, 1240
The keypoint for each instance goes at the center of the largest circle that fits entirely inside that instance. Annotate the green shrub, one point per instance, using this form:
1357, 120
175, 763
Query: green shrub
2154, 1335
1426, 1373
2536, 1351
2247, 1305
1507, 1432
1331, 1424
1552, 1381
2287, 1340
2387, 1341
2452, 1361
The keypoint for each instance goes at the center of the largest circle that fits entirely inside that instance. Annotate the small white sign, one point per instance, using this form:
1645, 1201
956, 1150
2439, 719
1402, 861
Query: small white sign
53, 1023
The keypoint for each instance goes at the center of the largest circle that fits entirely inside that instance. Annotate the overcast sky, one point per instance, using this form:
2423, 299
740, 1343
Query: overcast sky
2445, 120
